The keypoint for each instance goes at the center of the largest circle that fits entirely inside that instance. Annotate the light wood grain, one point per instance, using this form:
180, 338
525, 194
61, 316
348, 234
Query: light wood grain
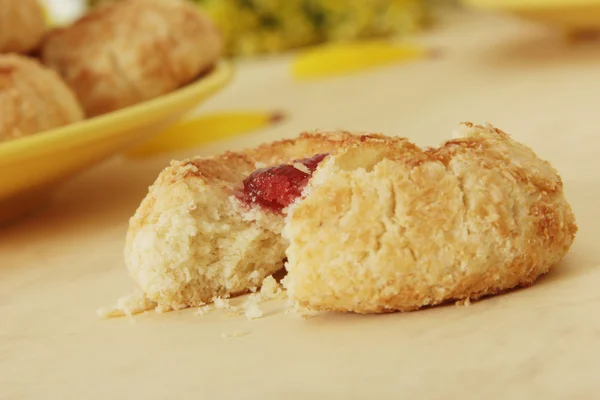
60, 265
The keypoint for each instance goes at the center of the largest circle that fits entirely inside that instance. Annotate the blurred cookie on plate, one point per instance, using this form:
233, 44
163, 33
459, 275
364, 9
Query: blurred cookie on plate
124, 53
33, 98
22, 25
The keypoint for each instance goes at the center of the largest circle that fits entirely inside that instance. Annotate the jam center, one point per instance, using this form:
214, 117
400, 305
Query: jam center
275, 188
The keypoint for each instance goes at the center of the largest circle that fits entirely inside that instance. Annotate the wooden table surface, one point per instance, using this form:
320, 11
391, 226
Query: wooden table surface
59, 266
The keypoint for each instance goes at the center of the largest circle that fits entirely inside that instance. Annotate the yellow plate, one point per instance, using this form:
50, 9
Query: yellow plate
33, 166
569, 15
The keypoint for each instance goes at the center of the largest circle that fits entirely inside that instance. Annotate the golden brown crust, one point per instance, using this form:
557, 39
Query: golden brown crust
310, 143
477, 216
22, 25
383, 226
126, 52
33, 98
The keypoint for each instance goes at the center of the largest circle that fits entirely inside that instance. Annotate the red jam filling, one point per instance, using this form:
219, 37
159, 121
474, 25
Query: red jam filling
275, 188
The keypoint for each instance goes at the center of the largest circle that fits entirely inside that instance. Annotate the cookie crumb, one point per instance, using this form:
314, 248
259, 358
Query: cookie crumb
463, 302
251, 307
161, 309
128, 305
203, 310
221, 303
270, 288
235, 334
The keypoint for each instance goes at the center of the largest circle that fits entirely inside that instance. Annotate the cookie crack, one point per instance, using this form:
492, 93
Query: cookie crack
514, 209
393, 212
379, 237
465, 202
412, 253
394, 201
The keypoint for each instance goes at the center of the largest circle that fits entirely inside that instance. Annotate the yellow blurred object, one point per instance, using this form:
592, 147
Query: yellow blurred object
568, 15
342, 58
47, 15
32, 167
252, 27
193, 132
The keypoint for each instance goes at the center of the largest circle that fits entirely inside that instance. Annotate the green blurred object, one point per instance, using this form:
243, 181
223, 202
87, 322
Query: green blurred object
253, 27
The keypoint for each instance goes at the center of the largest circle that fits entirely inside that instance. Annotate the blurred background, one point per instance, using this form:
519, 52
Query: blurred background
252, 27
389, 65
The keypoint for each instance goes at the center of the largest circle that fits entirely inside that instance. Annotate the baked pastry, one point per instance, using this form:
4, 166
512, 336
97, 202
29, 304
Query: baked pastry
382, 229
368, 223
123, 53
22, 25
33, 98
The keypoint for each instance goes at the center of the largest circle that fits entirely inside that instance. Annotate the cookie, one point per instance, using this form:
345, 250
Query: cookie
33, 98
367, 223
126, 52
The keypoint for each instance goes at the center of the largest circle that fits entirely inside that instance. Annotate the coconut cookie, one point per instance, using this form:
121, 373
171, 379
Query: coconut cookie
367, 223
